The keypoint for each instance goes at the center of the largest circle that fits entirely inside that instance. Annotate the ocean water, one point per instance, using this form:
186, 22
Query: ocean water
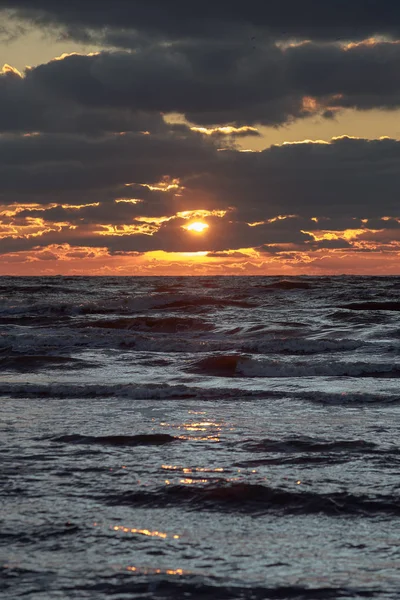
200, 438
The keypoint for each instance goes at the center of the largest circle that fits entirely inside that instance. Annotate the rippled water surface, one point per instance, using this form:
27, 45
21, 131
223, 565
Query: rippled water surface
200, 438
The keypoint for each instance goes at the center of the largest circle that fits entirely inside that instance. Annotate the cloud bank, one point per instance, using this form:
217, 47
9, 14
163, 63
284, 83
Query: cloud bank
95, 164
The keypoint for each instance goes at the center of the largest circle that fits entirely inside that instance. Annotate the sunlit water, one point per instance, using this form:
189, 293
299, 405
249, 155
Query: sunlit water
200, 438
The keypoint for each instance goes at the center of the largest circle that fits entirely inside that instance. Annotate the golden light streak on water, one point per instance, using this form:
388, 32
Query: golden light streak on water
145, 532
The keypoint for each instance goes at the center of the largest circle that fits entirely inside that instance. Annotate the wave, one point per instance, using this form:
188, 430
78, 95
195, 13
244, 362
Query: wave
69, 339
159, 302
393, 306
239, 365
132, 391
65, 390
304, 459
155, 439
257, 498
287, 284
24, 362
306, 444
39, 533
40, 309
348, 398
124, 305
225, 365
33, 320
175, 392
162, 335
300, 346
159, 325
251, 368
190, 302
40, 289
361, 317
165, 289
169, 584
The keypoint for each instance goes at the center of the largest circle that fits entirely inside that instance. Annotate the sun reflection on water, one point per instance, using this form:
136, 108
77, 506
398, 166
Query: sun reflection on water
150, 571
192, 469
146, 532
189, 481
198, 426
207, 438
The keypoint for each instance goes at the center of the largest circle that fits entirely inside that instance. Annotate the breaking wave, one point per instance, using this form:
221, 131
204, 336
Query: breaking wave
239, 365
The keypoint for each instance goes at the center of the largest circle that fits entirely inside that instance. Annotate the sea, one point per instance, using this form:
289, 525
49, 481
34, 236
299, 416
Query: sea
199, 438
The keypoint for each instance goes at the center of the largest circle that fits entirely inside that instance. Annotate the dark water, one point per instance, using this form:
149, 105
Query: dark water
200, 438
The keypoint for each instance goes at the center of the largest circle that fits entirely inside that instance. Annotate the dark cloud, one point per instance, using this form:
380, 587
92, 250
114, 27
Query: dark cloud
48, 164
212, 83
348, 178
306, 246
80, 254
178, 18
378, 224
361, 76
26, 106
20, 110
156, 205
334, 224
46, 255
340, 183
227, 255
382, 236
330, 244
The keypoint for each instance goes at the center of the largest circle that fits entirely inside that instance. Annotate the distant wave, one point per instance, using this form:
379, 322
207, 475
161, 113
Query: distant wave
40, 289
204, 301
288, 284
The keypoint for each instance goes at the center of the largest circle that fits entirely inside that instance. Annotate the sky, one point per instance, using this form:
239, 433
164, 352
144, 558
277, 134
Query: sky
154, 137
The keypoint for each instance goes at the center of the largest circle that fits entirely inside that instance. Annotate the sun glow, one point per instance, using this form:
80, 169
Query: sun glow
197, 227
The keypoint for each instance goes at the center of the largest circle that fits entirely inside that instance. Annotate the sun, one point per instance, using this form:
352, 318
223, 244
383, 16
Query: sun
197, 226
